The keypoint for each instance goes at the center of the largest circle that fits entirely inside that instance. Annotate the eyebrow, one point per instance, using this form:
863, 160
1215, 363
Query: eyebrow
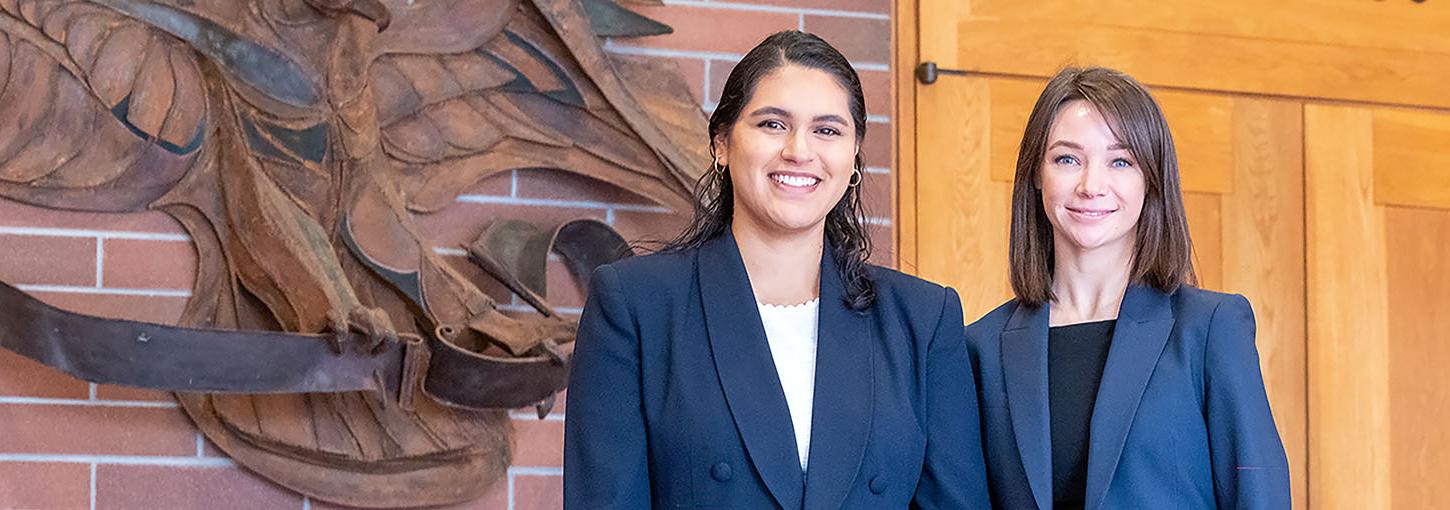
773, 110
1074, 145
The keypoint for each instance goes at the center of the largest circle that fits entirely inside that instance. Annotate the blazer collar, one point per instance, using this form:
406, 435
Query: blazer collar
1024, 365
1144, 324
1144, 321
842, 405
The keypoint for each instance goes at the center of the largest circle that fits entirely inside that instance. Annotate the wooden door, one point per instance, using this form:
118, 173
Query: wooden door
1250, 91
1379, 304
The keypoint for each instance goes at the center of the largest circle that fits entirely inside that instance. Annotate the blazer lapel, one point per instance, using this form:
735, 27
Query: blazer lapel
746, 369
1024, 363
1144, 323
843, 401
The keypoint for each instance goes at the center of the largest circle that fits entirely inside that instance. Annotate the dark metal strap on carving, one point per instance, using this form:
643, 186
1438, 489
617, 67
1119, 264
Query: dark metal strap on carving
194, 360
156, 356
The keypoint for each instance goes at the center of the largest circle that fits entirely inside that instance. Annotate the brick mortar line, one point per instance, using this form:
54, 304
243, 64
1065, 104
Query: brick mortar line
534, 417
42, 401
118, 460
101, 234
550, 202
625, 49
748, 7
535, 471
100, 261
104, 291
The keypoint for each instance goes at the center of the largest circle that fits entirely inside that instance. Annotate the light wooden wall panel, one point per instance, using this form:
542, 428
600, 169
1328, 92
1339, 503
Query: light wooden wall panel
1349, 393
1329, 22
1035, 47
1419, 324
1205, 226
964, 242
1263, 259
1412, 158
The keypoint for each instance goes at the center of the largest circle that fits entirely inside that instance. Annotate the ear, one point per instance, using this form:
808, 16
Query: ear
720, 150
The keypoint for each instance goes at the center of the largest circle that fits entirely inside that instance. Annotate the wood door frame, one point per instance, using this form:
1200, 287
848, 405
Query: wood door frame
904, 57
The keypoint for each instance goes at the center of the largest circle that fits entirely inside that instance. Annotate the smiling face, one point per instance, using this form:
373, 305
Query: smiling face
791, 153
1092, 187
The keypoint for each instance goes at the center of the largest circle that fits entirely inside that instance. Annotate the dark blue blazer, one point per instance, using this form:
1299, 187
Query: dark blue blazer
1181, 419
674, 399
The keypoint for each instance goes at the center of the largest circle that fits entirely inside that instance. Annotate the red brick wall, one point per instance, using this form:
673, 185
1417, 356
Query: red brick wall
67, 444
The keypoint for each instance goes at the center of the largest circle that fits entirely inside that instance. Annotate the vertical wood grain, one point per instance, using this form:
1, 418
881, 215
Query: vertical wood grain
1348, 347
1263, 259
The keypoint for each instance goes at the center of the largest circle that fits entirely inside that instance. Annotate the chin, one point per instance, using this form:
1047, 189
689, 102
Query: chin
793, 222
1087, 243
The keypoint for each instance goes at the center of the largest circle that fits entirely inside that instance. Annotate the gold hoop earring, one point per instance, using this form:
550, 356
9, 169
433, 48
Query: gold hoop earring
856, 177
715, 166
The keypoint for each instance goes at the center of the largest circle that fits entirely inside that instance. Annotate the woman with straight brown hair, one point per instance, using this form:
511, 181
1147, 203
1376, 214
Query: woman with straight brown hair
1110, 381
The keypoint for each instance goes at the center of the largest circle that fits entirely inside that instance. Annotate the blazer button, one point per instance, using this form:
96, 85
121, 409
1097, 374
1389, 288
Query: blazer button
877, 485
721, 472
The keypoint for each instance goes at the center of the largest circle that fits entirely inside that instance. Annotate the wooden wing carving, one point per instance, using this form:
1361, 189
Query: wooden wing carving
295, 139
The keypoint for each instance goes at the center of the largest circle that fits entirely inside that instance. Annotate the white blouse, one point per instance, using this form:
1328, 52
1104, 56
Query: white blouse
791, 333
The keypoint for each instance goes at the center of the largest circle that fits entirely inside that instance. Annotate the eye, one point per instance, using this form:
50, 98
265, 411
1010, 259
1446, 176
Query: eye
1122, 163
771, 124
1065, 159
829, 131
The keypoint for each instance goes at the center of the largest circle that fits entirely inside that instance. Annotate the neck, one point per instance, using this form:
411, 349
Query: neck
1089, 284
784, 268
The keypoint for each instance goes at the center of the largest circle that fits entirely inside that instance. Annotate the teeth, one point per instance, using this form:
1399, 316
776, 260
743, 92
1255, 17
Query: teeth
795, 181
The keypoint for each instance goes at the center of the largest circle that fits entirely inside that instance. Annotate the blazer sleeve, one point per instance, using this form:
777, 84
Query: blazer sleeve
1250, 469
606, 464
954, 474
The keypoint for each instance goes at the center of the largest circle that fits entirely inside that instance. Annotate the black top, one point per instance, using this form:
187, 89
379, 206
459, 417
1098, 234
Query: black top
1076, 354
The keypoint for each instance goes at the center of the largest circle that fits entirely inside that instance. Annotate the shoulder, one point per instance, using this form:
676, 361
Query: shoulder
645, 273
913, 296
895, 282
990, 326
1193, 302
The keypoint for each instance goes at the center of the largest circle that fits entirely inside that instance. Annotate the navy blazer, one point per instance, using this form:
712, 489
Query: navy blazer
1181, 419
674, 399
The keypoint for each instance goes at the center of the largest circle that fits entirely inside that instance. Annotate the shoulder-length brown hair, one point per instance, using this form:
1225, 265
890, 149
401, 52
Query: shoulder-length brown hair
1163, 253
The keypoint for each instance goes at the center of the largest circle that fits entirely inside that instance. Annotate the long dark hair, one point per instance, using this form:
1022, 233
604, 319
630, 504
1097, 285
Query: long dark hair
1163, 251
846, 236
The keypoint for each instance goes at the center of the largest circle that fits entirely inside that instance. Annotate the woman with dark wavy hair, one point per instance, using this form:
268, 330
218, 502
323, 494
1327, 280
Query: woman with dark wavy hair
758, 361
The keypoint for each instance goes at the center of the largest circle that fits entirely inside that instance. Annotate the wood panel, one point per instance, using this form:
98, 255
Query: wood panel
962, 235
904, 46
1012, 101
1031, 47
1364, 24
1202, 127
938, 36
1263, 259
1348, 357
1205, 226
1412, 158
1419, 296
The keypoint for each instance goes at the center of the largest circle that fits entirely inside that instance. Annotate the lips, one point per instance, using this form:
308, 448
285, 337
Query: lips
1091, 213
795, 180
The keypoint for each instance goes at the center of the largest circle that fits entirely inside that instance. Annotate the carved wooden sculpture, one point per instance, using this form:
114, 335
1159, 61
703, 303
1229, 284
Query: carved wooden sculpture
294, 139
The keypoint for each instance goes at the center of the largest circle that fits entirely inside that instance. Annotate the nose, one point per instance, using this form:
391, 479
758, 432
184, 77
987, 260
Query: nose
797, 148
1093, 181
